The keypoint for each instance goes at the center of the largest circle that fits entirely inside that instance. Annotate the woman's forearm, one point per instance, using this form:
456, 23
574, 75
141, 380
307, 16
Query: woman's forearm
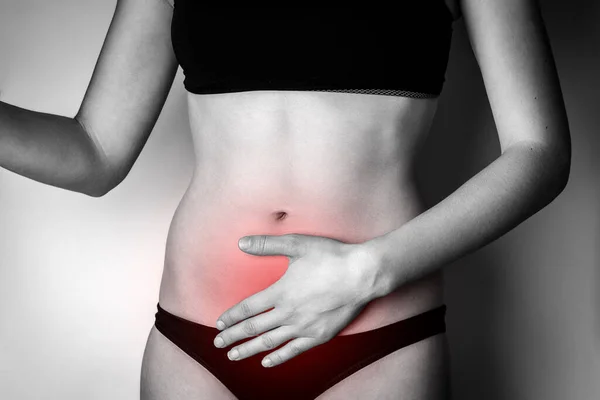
51, 149
523, 180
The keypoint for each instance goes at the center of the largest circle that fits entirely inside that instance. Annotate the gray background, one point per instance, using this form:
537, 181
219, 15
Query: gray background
79, 276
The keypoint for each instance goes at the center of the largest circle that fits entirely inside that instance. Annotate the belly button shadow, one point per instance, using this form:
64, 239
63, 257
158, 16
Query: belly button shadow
280, 215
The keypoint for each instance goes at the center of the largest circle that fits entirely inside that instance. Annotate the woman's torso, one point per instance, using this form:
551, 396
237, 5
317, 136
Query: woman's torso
339, 165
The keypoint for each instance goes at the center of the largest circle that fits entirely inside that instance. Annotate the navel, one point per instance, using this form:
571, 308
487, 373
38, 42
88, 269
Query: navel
280, 215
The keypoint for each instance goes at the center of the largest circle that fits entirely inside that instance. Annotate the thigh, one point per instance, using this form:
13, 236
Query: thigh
170, 374
416, 372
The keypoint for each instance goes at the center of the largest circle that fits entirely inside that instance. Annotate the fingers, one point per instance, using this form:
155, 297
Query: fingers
289, 351
249, 307
250, 327
267, 341
291, 245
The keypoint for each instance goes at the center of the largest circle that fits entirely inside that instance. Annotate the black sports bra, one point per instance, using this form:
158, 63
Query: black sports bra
400, 52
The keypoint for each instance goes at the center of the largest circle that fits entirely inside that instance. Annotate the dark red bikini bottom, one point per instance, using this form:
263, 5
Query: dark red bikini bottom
307, 375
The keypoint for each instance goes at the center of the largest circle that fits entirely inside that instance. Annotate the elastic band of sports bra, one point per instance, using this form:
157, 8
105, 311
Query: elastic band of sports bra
384, 92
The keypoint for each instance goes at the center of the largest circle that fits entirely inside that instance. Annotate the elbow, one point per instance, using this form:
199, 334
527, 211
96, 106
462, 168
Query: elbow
558, 171
98, 189
564, 174
550, 168
563, 158
99, 174
101, 182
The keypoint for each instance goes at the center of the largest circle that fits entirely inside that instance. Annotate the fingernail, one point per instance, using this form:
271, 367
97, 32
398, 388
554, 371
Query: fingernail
244, 243
219, 342
267, 362
233, 354
220, 325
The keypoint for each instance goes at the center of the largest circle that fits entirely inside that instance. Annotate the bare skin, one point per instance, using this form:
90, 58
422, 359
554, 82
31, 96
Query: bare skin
330, 164
351, 180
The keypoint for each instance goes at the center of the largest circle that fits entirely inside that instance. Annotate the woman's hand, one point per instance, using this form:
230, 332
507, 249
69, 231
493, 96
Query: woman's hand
326, 285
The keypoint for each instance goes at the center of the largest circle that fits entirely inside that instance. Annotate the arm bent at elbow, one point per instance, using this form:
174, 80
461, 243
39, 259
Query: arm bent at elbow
92, 152
512, 48
515, 186
52, 149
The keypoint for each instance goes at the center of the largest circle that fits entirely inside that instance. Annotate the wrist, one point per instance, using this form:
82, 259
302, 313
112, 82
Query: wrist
376, 279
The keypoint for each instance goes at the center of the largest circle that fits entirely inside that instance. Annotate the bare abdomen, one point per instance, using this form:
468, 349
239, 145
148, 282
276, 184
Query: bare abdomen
206, 273
338, 165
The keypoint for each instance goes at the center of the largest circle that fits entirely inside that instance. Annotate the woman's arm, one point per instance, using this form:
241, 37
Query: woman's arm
512, 48
92, 152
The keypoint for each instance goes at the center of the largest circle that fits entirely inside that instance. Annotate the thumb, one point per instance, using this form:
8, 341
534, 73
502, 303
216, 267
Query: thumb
291, 245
